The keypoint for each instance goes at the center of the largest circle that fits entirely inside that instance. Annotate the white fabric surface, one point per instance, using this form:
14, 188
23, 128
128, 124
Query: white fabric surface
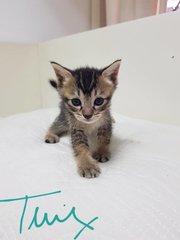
136, 197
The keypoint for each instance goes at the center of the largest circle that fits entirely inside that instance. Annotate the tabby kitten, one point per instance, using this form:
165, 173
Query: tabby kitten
86, 95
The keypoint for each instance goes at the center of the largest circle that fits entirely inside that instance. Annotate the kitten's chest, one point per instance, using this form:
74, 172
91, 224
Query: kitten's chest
92, 129
92, 138
91, 132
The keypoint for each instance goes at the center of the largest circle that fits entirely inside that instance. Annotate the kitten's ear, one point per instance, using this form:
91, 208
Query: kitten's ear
110, 73
63, 74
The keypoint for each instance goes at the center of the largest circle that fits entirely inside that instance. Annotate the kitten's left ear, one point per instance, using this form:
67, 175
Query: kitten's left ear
111, 72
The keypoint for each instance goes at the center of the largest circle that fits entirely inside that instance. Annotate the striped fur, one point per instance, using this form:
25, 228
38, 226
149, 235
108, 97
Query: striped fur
86, 79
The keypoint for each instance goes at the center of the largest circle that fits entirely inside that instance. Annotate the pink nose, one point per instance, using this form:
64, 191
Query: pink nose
87, 113
87, 116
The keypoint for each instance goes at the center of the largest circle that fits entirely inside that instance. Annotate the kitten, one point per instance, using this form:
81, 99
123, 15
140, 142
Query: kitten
86, 95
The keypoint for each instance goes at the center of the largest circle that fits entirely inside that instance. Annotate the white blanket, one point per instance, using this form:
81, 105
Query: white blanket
136, 197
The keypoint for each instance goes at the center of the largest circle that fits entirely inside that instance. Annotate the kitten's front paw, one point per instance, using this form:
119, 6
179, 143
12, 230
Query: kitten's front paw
101, 157
51, 138
89, 170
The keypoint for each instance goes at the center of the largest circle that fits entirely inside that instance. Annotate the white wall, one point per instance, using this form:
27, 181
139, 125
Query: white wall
149, 77
40, 20
19, 78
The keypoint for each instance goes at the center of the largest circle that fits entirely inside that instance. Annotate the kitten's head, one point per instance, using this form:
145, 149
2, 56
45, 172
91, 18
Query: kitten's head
86, 91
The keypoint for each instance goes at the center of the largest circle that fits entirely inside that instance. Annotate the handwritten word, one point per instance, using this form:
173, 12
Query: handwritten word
45, 218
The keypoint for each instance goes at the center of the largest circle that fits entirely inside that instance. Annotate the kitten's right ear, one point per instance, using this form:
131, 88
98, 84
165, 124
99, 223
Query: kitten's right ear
110, 73
63, 74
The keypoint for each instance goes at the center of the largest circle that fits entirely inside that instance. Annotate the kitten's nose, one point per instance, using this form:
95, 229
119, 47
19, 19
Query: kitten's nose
87, 116
87, 112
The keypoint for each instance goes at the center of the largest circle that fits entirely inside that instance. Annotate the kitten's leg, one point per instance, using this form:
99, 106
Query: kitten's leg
102, 153
59, 128
87, 166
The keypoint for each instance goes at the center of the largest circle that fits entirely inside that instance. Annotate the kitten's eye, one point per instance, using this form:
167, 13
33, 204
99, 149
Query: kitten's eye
76, 102
98, 101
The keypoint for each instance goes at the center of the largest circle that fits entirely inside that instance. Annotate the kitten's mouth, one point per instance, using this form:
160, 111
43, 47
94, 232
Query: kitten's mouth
88, 121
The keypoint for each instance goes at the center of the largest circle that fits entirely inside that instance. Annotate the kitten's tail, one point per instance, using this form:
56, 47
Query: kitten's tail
53, 83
